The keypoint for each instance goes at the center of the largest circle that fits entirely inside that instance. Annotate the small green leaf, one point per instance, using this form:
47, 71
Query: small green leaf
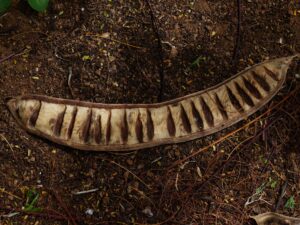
198, 60
260, 189
4, 5
32, 209
272, 183
290, 203
38, 5
31, 200
261, 158
86, 57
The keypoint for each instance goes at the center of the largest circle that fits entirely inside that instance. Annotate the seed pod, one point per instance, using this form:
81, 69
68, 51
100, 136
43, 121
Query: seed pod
118, 127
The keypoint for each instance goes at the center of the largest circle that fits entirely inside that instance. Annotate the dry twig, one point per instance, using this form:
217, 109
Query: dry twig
124, 168
159, 52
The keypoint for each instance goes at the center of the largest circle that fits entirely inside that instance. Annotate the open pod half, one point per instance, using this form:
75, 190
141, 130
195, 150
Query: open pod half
118, 127
275, 218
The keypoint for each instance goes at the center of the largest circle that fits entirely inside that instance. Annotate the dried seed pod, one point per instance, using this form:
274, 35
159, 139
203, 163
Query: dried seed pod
118, 127
275, 218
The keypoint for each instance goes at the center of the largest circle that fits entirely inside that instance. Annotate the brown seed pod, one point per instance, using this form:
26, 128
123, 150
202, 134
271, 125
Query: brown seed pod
120, 127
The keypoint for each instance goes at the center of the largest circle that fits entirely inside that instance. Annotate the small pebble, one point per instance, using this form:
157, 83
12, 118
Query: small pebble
147, 211
89, 212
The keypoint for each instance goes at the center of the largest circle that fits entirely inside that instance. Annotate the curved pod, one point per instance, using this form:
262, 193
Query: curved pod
118, 127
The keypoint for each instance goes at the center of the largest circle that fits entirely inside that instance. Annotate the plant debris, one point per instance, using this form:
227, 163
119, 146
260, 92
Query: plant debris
206, 181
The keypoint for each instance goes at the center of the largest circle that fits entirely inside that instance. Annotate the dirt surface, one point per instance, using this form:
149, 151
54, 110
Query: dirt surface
110, 52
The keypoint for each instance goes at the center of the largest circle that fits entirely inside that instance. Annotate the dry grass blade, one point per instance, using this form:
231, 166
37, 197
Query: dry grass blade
11, 194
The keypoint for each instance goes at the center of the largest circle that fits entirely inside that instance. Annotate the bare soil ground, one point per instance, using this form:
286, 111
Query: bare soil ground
111, 50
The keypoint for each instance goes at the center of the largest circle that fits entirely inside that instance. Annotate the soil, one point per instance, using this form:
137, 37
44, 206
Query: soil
111, 53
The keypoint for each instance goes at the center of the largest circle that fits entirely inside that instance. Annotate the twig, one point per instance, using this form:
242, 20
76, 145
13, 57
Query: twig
44, 214
70, 217
4, 14
7, 57
124, 168
234, 151
28, 32
114, 40
176, 181
4, 138
12, 55
159, 52
238, 37
86, 192
9, 215
11, 194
